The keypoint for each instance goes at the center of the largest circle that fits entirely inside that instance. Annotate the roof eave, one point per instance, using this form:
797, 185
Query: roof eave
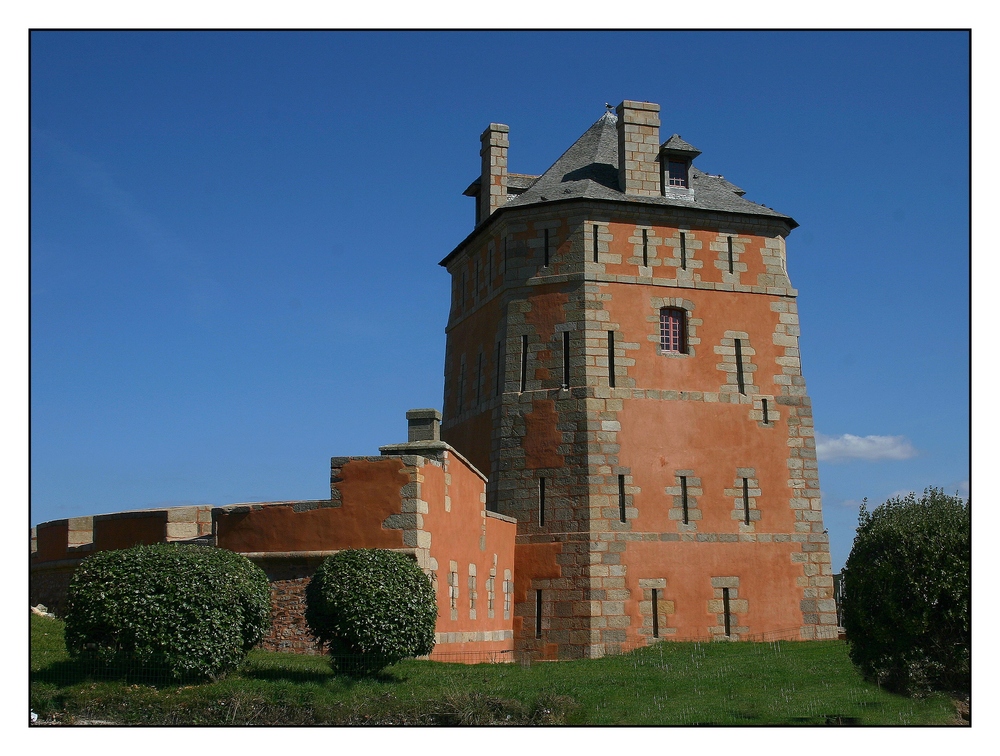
787, 220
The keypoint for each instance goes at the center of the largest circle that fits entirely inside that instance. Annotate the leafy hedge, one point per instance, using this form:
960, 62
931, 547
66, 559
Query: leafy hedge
372, 608
182, 611
907, 588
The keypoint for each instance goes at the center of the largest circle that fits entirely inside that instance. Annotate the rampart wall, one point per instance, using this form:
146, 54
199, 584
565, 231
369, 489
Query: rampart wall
431, 507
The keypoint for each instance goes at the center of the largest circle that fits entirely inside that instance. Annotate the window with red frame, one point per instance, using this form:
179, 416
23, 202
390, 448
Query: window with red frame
672, 327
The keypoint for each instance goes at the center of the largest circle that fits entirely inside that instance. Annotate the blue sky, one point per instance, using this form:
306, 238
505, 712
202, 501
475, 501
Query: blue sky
235, 237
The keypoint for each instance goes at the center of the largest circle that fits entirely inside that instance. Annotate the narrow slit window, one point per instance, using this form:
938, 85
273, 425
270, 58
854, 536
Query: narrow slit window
656, 614
763, 405
621, 498
739, 367
477, 284
541, 502
505, 255
684, 251
746, 501
730, 240
538, 613
489, 265
464, 285
684, 499
645, 248
565, 382
672, 327
524, 362
546, 246
595, 242
725, 612
611, 359
499, 378
479, 379
461, 384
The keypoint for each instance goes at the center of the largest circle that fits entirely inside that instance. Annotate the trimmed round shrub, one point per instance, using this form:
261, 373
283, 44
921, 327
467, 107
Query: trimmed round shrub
907, 587
179, 611
371, 608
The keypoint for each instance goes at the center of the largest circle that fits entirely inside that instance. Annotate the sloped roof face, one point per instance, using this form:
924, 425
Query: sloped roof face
677, 144
589, 170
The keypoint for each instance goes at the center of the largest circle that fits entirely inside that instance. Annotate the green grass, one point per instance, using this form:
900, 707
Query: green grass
667, 684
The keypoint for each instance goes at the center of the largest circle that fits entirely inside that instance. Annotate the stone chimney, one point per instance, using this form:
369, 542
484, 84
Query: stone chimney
493, 179
638, 148
423, 425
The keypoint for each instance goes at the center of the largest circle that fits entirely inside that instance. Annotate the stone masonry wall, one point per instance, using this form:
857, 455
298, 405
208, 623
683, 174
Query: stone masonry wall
567, 439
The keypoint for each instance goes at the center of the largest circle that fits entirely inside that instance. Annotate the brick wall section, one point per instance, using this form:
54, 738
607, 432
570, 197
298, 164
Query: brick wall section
49, 585
289, 632
289, 579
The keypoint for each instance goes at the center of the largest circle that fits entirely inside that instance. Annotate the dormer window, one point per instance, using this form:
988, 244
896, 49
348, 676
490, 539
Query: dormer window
675, 161
677, 173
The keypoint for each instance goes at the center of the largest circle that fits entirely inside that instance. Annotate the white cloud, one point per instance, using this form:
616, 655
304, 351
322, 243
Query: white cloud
848, 446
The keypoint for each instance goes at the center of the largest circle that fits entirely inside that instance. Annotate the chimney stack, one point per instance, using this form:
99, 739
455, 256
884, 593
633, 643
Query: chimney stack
493, 179
638, 148
423, 425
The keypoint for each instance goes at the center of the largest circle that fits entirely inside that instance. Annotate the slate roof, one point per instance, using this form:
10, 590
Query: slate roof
676, 144
589, 170
516, 183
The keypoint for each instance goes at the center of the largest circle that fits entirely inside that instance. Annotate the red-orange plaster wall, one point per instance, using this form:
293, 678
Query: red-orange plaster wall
535, 561
53, 540
370, 492
767, 581
620, 245
541, 437
659, 437
719, 311
456, 536
478, 332
548, 308
132, 530
472, 438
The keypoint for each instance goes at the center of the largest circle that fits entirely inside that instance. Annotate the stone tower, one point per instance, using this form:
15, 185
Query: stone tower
622, 363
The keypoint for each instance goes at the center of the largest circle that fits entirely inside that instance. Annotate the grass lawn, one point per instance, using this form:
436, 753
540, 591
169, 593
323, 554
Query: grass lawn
667, 684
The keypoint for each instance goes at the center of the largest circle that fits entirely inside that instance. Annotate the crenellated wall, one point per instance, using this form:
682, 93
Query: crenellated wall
431, 507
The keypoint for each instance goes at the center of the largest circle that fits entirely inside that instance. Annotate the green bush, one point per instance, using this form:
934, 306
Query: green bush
179, 611
371, 608
907, 586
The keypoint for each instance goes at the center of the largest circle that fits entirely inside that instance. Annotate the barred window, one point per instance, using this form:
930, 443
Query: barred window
672, 328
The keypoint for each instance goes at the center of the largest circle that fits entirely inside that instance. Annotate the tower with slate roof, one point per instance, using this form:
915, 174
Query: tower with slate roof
622, 362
